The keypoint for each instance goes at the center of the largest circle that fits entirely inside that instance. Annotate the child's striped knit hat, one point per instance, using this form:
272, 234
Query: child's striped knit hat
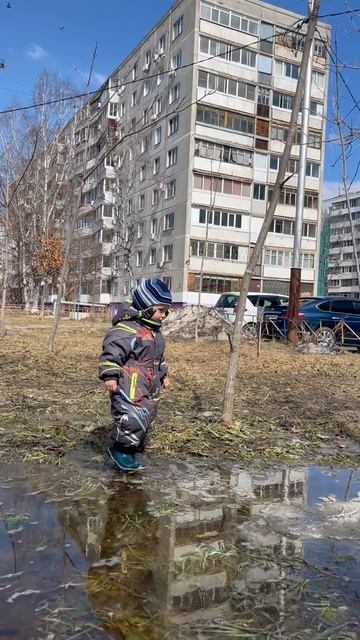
151, 292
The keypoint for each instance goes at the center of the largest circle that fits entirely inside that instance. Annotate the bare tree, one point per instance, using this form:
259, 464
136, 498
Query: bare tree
229, 393
40, 204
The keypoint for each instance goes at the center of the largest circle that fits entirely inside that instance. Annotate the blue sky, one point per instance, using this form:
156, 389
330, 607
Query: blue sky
60, 34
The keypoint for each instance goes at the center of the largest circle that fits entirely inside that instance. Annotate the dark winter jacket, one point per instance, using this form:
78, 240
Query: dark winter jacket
133, 354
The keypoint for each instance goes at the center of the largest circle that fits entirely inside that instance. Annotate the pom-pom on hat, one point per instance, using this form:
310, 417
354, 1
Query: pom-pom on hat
151, 292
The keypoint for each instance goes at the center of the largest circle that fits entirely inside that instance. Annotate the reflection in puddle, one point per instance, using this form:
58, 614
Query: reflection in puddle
182, 551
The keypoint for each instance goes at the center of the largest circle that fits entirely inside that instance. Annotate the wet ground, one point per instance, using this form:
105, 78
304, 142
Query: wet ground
181, 551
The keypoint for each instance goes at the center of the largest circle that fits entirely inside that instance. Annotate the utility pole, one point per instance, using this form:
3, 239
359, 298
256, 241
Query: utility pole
79, 288
229, 393
295, 273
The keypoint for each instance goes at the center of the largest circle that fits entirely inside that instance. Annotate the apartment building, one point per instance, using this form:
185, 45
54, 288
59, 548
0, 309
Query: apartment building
341, 276
182, 145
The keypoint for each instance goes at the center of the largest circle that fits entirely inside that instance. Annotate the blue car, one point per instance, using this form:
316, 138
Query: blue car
328, 320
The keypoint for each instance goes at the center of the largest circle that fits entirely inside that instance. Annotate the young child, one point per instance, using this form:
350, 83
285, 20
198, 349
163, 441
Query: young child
133, 370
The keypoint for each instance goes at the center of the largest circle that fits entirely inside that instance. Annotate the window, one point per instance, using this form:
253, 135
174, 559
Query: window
316, 109
177, 28
122, 109
226, 85
221, 185
168, 253
141, 201
282, 100
139, 258
311, 200
259, 192
176, 60
225, 119
228, 52
156, 196
174, 93
220, 218
223, 153
173, 125
130, 207
219, 250
142, 175
157, 135
140, 230
133, 99
152, 257
134, 72
169, 221
167, 281
144, 145
148, 58
171, 189
159, 78
172, 157
228, 18
312, 170
287, 69
156, 166
107, 211
113, 109
153, 227
157, 108
291, 168
283, 258
145, 117
162, 44
318, 80
146, 88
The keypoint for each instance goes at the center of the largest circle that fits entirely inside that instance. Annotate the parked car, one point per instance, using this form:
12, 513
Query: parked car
330, 320
227, 304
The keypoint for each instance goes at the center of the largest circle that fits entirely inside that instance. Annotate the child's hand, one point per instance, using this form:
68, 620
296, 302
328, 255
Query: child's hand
110, 385
165, 382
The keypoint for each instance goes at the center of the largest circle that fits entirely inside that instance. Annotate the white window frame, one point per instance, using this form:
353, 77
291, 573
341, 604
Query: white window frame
168, 252
170, 189
177, 27
171, 157
157, 136
139, 258
169, 221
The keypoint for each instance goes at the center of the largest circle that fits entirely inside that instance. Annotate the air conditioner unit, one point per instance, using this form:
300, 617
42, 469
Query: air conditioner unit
161, 52
92, 203
146, 67
172, 73
162, 186
99, 105
160, 263
156, 57
152, 235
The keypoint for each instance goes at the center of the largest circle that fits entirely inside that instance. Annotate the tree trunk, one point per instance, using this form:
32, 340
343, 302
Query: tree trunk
229, 393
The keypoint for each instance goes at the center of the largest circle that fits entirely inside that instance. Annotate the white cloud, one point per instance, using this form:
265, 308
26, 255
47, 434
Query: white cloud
333, 189
36, 52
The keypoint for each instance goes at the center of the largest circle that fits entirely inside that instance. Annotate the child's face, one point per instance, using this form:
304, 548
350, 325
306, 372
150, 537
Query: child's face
160, 312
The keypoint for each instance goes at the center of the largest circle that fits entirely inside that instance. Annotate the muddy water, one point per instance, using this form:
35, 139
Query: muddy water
181, 551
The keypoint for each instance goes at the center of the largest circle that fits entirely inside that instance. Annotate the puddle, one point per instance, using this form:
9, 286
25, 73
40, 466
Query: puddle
182, 551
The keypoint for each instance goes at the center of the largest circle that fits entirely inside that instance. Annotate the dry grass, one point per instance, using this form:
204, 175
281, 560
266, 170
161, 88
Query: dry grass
289, 407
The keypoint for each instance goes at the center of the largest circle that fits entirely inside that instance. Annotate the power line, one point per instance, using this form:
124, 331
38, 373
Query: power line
299, 22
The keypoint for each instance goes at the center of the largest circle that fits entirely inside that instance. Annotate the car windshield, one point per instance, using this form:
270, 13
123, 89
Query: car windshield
227, 300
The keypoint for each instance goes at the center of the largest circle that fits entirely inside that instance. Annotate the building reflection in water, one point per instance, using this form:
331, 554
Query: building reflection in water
176, 554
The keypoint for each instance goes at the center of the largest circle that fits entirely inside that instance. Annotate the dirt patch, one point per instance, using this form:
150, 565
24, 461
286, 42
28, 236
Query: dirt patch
289, 406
